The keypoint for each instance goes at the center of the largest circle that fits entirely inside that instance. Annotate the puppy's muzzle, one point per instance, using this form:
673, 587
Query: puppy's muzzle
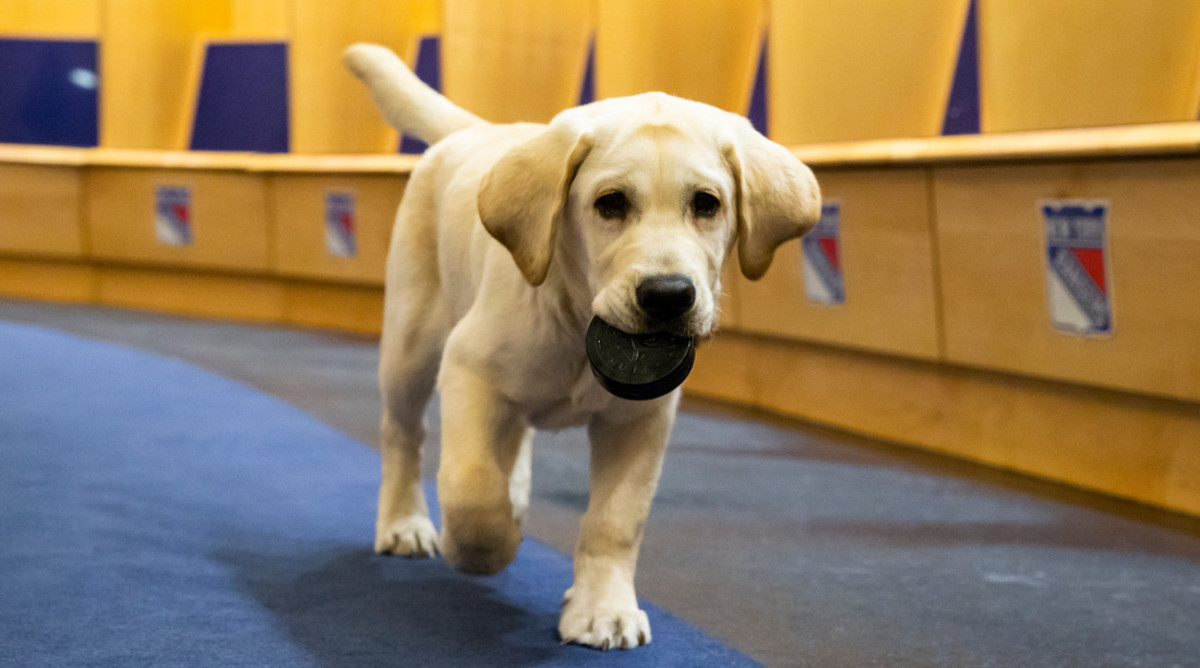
666, 297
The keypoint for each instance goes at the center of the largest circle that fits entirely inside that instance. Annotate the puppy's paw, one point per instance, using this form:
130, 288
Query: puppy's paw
412, 536
601, 627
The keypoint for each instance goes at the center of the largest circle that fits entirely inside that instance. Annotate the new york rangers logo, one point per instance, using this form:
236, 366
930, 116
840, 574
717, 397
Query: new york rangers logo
340, 236
1078, 285
821, 258
173, 215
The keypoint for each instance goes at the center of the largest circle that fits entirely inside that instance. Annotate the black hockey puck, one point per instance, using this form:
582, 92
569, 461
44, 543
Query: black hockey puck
638, 366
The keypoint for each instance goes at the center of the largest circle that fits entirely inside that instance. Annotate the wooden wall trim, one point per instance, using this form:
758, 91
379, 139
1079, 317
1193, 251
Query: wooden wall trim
1158, 139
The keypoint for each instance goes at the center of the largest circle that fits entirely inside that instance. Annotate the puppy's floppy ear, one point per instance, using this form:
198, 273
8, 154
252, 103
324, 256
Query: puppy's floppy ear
778, 197
522, 197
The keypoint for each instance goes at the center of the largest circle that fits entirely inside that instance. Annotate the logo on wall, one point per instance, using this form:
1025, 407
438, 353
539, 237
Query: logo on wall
340, 236
1077, 278
821, 258
173, 215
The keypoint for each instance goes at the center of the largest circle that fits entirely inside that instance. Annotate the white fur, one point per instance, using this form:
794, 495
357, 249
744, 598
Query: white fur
499, 260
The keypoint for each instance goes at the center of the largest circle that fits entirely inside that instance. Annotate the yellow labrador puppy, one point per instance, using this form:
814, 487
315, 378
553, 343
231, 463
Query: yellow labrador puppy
509, 240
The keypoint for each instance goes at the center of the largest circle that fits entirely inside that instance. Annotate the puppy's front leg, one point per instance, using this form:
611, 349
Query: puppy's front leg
601, 608
482, 434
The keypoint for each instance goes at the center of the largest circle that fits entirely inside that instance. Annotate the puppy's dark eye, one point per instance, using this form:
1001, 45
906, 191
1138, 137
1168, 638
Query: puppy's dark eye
705, 204
612, 205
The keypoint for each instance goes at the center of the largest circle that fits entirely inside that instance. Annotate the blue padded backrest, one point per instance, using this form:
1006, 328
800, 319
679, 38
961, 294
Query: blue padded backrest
428, 68
49, 92
757, 110
242, 104
962, 110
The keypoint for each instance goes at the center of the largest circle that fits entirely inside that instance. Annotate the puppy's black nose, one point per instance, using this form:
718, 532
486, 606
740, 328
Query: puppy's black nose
666, 296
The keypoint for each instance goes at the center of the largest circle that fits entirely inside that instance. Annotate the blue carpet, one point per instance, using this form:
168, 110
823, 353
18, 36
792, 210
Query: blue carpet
153, 514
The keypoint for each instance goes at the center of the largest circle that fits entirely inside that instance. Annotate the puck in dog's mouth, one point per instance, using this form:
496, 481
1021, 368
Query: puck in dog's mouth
638, 366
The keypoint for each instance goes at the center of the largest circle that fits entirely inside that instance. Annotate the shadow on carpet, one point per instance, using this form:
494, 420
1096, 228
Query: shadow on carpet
155, 514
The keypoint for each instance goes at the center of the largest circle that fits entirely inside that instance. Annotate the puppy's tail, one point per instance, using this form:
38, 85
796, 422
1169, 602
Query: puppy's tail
406, 102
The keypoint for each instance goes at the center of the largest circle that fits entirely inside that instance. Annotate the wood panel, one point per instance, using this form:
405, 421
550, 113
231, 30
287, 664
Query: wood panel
861, 69
992, 245
353, 308
514, 60
47, 280
58, 18
730, 303
704, 51
1139, 448
40, 210
887, 259
223, 296
1064, 63
723, 370
332, 112
298, 202
260, 18
229, 218
149, 51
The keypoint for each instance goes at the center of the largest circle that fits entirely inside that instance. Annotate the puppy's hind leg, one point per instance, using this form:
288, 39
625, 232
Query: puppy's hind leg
407, 373
415, 328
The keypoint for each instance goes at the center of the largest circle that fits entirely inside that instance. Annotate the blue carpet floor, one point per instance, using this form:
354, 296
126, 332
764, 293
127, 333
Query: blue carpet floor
153, 514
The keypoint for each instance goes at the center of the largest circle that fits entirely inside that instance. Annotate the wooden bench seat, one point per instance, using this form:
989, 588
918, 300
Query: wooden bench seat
944, 340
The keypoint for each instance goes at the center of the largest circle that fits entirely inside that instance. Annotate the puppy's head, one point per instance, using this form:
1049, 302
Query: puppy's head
645, 197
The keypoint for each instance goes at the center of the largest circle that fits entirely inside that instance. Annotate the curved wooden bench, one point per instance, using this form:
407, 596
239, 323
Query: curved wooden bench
944, 341
80, 227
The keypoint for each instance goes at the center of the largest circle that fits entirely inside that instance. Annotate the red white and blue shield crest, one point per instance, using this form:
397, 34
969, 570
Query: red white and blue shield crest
821, 258
173, 215
341, 239
1079, 288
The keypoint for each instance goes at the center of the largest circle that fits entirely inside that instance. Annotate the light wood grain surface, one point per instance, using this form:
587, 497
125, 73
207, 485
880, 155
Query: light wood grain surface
229, 218
47, 280
349, 307
41, 210
148, 59
331, 111
1134, 447
1058, 63
298, 205
887, 264
704, 51
514, 60
193, 293
993, 273
855, 69
51, 18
